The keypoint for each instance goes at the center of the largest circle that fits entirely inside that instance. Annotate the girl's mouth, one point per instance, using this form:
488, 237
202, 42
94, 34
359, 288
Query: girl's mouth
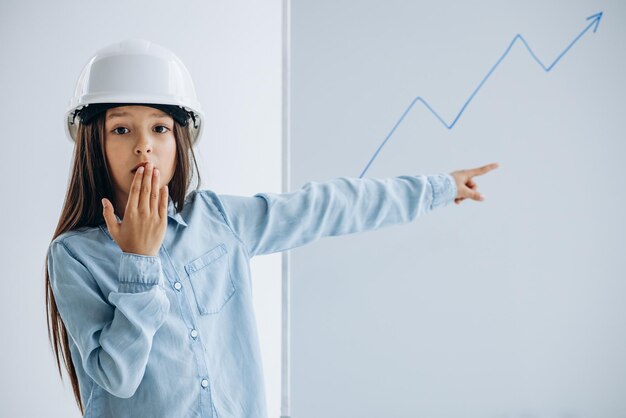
139, 165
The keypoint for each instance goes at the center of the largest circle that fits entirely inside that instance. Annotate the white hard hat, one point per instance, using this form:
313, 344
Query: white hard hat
135, 71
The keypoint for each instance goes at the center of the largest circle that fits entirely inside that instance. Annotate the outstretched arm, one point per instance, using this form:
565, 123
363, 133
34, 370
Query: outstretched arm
270, 222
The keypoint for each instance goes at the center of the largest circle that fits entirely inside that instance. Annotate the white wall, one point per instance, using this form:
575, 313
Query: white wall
511, 307
233, 51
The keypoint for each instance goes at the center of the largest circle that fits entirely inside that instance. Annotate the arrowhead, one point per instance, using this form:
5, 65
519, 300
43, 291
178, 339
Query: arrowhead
596, 20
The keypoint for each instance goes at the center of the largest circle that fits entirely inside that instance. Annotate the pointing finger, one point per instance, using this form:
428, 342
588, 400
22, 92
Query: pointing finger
482, 170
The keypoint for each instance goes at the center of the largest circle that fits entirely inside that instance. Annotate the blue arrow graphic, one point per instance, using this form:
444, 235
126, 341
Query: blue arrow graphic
595, 21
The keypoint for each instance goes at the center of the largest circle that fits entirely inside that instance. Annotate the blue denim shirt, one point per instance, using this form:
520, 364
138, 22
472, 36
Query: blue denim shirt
174, 335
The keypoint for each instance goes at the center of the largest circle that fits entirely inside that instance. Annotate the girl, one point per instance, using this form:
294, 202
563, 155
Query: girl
148, 287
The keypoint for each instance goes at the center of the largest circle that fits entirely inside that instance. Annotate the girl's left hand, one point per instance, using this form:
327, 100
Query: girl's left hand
466, 187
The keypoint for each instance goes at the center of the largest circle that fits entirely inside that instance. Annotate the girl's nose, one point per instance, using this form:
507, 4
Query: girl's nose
144, 143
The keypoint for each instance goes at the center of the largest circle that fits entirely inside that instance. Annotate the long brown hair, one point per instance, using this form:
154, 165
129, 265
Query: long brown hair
90, 181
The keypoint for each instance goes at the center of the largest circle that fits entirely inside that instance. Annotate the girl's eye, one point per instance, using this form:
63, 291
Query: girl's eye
115, 130
165, 129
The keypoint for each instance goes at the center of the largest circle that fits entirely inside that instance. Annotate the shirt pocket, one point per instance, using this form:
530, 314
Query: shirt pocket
210, 280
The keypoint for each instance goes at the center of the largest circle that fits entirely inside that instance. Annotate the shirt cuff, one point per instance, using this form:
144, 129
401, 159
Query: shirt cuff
138, 273
444, 189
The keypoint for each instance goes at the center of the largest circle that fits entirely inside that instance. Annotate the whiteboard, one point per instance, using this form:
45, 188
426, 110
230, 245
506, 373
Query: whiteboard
511, 307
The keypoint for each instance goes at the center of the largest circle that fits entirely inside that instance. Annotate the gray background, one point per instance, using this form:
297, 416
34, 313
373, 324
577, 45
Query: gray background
233, 52
511, 307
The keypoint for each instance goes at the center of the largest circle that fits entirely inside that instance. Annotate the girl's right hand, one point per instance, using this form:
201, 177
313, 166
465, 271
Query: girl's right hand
145, 218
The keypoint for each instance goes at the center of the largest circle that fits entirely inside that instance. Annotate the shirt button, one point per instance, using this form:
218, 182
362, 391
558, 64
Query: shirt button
177, 285
194, 333
204, 383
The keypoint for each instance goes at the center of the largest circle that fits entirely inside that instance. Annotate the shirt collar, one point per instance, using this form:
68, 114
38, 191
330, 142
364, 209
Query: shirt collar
171, 213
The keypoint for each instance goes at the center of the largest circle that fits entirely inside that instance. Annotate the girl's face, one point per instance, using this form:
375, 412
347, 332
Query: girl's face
134, 134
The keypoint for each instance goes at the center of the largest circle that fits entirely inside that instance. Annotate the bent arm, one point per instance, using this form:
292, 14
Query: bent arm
114, 337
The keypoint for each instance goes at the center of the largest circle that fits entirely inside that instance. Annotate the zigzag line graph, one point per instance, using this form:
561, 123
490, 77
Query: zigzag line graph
595, 21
